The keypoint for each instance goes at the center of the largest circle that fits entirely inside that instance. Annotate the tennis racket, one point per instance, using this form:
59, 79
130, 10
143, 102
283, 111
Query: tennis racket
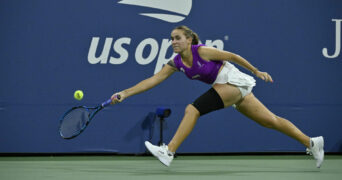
75, 120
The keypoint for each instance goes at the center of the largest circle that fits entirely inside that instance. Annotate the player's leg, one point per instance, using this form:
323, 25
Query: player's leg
220, 96
165, 153
227, 94
185, 127
251, 107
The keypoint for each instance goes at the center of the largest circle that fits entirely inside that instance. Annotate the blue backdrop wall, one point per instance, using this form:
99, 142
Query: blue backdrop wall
49, 49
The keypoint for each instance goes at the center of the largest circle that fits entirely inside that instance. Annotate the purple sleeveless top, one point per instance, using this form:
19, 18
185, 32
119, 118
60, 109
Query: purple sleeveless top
201, 69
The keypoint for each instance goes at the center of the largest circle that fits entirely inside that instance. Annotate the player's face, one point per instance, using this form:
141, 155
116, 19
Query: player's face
179, 41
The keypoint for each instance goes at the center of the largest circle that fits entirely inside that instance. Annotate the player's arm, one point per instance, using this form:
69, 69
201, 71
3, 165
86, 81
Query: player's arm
210, 53
146, 84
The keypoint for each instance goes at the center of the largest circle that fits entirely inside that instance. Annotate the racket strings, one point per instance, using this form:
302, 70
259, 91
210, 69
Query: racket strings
74, 122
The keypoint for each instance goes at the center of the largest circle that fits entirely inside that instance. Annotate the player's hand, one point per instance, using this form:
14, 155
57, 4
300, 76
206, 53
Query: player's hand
264, 76
118, 97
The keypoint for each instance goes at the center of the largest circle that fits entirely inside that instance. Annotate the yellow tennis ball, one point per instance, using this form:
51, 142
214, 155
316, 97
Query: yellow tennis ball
78, 95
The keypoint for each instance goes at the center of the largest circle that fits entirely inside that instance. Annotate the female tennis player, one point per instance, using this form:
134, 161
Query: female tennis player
230, 87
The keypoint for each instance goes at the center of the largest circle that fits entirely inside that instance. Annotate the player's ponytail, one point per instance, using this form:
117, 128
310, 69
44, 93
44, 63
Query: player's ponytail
189, 33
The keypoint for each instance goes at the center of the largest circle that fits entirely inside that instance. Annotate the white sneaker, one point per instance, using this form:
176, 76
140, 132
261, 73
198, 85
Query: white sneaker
316, 149
160, 152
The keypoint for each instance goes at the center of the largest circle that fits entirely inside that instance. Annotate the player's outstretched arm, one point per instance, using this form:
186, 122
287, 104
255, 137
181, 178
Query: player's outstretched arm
145, 85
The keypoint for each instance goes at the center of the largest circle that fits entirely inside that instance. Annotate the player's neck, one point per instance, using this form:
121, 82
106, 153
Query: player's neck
187, 57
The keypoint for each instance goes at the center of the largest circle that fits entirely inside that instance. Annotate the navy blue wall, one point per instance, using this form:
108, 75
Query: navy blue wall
49, 49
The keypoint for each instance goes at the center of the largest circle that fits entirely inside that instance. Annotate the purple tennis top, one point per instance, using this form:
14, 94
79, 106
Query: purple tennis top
205, 71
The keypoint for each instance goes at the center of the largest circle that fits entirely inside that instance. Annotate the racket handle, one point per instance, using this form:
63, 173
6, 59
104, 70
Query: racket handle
106, 103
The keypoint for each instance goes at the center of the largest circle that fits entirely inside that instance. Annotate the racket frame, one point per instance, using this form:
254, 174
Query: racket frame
91, 115
92, 112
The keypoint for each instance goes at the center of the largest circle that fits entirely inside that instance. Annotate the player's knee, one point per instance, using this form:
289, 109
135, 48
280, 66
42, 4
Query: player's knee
191, 110
271, 122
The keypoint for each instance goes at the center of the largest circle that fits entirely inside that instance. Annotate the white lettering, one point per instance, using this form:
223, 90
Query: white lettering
92, 59
120, 50
217, 44
123, 53
153, 53
337, 41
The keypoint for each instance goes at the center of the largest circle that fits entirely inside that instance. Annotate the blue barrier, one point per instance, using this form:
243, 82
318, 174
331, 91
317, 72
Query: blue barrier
49, 49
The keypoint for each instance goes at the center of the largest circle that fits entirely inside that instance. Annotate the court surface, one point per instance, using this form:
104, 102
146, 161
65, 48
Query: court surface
183, 167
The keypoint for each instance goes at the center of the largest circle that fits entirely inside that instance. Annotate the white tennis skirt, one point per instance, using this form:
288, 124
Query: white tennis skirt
230, 74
